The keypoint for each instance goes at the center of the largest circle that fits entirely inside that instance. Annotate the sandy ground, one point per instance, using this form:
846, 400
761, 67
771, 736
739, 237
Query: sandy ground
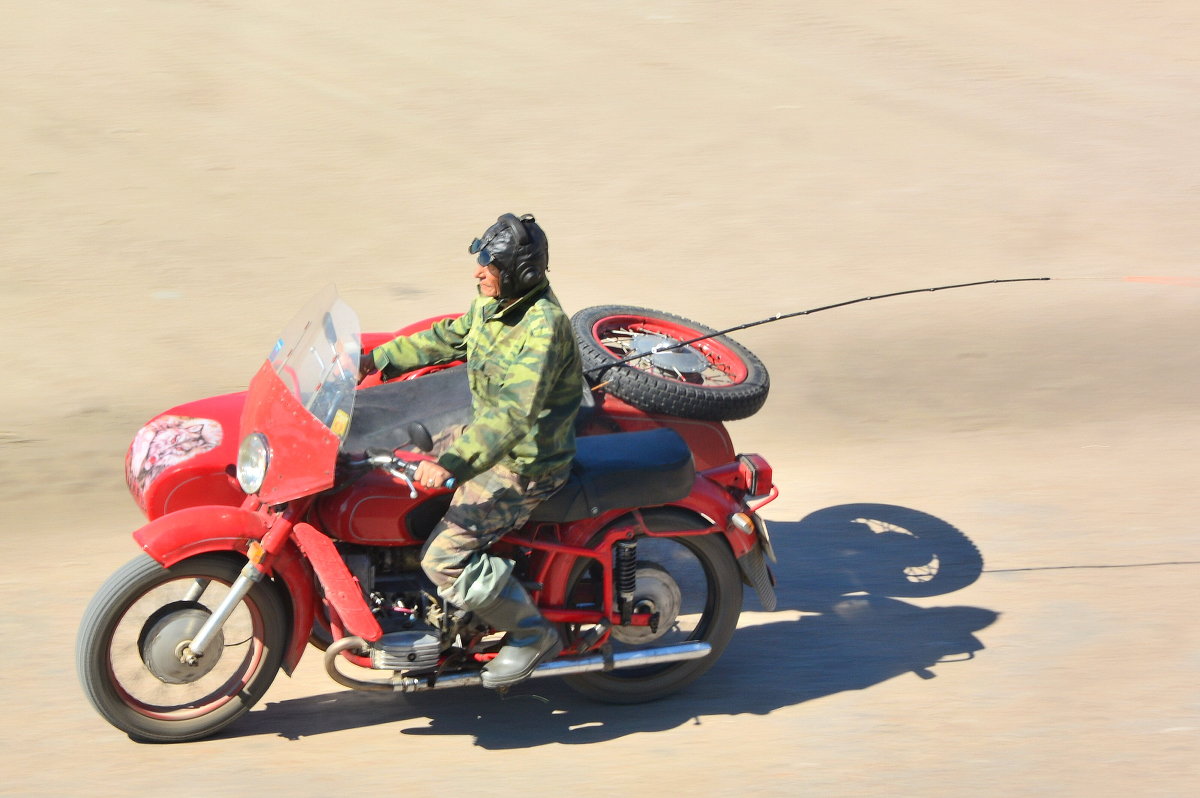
179, 176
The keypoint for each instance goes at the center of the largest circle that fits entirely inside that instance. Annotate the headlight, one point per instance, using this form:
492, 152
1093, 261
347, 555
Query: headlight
253, 457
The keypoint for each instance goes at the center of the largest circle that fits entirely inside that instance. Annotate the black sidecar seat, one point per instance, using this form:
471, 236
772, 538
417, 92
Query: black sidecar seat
439, 400
624, 469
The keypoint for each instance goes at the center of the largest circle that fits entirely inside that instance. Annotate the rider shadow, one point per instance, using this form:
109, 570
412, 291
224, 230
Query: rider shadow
845, 640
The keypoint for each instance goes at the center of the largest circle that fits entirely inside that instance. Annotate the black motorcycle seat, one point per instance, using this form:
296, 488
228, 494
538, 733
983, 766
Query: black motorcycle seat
623, 469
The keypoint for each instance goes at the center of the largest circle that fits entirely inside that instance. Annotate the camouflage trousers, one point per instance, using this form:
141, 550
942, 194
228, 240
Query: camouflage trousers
483, 509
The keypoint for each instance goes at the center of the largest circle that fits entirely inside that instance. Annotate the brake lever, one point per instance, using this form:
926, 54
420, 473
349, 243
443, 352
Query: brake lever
407, 472
404, 472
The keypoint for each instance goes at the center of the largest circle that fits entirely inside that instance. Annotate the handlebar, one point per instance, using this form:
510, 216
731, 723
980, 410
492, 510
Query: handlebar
408, 471
404, 470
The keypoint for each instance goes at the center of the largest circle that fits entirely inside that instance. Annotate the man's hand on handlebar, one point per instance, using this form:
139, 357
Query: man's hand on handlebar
366, 365
431, 475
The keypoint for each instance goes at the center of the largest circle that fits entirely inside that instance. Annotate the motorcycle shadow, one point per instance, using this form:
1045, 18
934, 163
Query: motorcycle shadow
845, 639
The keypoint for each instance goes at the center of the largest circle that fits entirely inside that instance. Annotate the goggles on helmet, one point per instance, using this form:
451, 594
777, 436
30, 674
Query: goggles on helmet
479, 246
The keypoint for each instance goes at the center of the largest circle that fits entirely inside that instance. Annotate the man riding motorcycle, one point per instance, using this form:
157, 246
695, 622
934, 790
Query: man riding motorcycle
526, 384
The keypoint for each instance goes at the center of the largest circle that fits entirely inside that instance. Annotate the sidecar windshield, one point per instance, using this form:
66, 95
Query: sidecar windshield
316, 357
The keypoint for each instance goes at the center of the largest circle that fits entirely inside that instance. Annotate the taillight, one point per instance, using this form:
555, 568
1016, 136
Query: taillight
756, 473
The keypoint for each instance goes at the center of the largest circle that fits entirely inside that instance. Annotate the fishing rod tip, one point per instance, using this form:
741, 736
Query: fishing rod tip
1162, 280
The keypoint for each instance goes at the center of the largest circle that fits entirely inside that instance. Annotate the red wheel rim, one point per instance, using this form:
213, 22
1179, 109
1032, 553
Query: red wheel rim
726, 367
246, 668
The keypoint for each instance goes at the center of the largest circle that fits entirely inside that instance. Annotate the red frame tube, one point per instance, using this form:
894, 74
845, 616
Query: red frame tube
554, 570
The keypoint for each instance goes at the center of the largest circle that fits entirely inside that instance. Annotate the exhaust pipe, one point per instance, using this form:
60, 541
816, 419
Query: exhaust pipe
559, 667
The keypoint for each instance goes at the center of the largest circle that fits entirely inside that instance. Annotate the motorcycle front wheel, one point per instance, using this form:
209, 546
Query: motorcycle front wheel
694, 585
131, 633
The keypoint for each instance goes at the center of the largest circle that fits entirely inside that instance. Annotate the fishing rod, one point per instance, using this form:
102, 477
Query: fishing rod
781, 316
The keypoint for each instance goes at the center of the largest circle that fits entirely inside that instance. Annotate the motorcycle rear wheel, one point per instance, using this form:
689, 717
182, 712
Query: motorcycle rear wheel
136, 621
699, 577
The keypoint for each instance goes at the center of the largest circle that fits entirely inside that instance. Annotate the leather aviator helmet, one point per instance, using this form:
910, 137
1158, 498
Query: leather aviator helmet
517, 247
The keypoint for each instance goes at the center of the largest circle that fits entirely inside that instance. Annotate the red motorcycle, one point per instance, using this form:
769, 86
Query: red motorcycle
307, 527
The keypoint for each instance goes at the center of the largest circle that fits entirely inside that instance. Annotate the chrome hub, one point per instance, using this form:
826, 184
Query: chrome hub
657, 593
683, 360
164, 641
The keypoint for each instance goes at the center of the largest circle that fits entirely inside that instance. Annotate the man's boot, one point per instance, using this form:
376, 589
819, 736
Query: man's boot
531, 638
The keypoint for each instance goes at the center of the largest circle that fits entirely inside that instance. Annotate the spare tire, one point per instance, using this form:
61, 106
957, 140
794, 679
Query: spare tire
716, 379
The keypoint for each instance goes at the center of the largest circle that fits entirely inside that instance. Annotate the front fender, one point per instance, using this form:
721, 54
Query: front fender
199, 530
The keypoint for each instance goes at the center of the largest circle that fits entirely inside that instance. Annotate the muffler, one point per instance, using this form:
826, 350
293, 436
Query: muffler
401, 683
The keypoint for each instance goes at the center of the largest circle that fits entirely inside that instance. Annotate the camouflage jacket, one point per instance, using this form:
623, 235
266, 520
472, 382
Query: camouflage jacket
526, 381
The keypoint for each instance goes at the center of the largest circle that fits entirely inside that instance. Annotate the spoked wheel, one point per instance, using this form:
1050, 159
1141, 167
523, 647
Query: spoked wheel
714, 380
127, 651
694, 586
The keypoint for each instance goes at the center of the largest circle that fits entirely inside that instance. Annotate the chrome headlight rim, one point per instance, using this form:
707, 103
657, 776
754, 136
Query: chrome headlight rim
254, 457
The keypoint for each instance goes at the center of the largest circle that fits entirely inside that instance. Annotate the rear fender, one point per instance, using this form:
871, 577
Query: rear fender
714, 502
201, 530
688, 517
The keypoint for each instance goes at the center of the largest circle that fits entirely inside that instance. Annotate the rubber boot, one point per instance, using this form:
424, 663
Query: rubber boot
531, 638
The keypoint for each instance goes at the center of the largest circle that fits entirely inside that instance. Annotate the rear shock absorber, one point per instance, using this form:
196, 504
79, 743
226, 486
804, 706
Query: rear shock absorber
625, 576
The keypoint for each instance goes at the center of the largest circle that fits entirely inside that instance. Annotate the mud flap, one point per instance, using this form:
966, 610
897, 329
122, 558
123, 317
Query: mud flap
758, 575
342, 591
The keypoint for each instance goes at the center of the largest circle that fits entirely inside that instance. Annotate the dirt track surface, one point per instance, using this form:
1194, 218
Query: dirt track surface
179, 176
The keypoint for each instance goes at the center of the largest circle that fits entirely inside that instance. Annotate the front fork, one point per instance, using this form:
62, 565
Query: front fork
258, 555
336, 585
253, 573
